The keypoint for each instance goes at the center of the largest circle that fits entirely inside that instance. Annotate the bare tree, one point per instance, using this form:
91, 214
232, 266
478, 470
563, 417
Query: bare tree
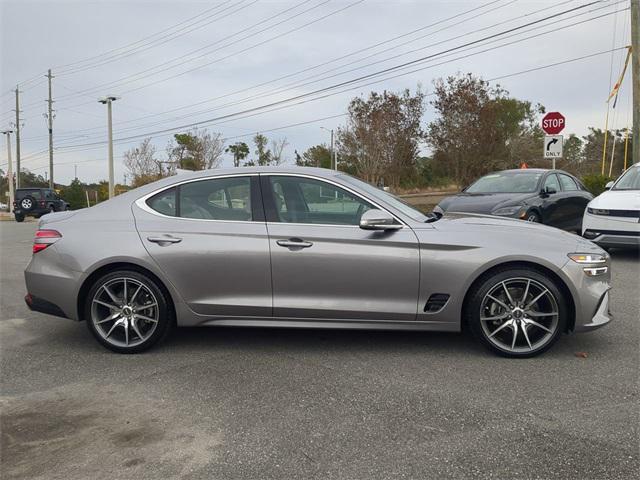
142, 164
382, 138
277, 151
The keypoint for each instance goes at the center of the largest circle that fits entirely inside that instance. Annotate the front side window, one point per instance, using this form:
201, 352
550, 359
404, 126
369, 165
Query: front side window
216, 199
306, 200
552, 182
567, 183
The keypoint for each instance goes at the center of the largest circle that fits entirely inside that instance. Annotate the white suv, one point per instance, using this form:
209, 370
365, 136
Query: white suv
612, 219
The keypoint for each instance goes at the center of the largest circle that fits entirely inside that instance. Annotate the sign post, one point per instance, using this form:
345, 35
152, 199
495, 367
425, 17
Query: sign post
552, 124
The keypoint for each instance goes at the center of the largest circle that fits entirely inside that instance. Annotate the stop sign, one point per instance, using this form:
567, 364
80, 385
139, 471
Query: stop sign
553, 123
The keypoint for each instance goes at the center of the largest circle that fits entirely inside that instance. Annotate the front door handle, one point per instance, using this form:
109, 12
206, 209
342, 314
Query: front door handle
164, 240
294, 243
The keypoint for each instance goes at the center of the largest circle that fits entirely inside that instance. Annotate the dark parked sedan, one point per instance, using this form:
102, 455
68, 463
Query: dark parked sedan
552, 197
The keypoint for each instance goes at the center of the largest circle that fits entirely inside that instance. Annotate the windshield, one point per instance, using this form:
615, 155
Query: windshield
630, 180
388, 198
506, 182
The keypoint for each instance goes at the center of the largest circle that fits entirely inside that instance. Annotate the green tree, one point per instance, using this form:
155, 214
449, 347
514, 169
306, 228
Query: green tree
75, 195
262, 152
316, 156
479, 128
196, 150
240, 151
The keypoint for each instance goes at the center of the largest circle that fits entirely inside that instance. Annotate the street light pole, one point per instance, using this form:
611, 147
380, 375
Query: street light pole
334, 158
108, 101
9, 168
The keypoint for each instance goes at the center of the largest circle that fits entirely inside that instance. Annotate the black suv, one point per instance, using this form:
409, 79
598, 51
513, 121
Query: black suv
35, 202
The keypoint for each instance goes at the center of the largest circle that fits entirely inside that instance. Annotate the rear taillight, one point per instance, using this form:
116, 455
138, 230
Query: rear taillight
44, 238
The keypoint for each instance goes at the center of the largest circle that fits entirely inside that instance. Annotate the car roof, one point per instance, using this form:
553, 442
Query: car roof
322, 172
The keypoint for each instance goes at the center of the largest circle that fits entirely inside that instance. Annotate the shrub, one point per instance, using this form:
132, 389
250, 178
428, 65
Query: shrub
595, 183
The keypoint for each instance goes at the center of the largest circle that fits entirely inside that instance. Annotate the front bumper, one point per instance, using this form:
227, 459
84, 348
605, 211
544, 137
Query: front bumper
602, 316
590, 293
608, 231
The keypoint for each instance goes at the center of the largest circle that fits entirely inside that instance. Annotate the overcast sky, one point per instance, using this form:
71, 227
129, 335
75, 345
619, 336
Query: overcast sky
160, 56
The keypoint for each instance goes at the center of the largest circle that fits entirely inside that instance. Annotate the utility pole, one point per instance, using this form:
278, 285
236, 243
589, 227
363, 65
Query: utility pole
50, 118
9, 168
635, 77
334, 159
17, 137
75, 171
108, 101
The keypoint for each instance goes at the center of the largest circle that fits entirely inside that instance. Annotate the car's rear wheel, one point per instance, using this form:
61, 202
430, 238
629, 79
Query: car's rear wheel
127, 311
19, 218
516, 312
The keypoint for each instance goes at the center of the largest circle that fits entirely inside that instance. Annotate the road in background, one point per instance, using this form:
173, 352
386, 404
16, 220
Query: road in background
259, 403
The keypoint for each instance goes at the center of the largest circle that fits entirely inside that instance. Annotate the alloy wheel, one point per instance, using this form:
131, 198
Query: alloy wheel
519, 315
124, 312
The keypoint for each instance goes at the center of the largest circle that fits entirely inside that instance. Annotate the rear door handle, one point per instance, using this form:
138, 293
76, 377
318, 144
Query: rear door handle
164, 240
294, 243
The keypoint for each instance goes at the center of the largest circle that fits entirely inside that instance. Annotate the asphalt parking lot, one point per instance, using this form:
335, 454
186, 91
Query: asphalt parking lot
256, 403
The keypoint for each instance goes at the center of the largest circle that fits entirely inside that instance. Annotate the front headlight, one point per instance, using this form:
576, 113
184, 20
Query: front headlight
597, 211
507, 211
591, 259
588, 257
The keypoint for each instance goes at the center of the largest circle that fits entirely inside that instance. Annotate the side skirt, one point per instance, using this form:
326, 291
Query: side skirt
331, 324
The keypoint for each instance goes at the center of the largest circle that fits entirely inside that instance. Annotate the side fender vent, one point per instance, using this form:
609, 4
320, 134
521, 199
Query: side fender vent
436, 302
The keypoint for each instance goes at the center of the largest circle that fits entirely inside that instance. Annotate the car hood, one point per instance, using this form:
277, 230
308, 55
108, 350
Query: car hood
481, 202
509, 236
617, 200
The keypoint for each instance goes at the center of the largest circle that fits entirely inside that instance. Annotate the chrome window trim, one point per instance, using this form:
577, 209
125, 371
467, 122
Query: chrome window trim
339, 185
142, 201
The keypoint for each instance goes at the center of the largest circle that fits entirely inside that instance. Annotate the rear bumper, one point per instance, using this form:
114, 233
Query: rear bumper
41, 305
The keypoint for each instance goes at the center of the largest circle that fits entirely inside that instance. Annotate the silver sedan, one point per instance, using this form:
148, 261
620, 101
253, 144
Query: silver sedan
313, 248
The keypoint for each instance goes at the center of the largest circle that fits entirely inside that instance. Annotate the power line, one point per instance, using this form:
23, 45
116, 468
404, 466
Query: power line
363, 77
307, 122
126, 80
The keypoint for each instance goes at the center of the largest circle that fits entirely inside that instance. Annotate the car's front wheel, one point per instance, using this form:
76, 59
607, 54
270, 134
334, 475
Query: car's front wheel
516, 312
127, 311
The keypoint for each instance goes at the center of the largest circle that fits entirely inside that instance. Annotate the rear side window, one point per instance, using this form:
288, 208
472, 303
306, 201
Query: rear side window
216, 199
567, 183
164, 202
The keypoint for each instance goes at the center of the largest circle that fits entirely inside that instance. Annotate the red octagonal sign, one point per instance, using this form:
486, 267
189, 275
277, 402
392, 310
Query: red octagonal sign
553, 123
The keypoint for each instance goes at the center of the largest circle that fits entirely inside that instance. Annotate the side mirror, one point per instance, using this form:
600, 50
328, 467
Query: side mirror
378, 220
549, 191
608, 186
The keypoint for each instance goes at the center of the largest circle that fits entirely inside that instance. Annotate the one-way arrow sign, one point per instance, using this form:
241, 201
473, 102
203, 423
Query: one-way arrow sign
553, 146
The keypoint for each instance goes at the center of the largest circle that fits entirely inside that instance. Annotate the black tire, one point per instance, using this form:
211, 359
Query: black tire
165, 315
475, 307
533, 216
28, 203
19, 218
51, 209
